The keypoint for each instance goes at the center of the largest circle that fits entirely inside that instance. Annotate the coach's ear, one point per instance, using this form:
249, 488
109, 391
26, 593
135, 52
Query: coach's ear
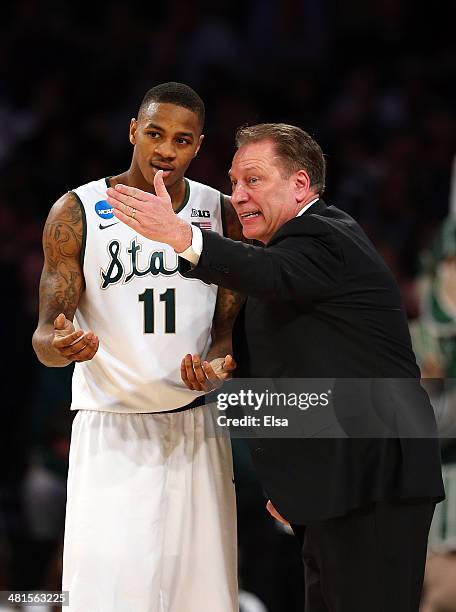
133, 126
301, 182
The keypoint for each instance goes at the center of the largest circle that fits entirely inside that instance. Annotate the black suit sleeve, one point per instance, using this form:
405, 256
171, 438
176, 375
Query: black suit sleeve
297, 266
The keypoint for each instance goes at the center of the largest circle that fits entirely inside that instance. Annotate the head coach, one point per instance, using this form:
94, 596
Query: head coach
320, 303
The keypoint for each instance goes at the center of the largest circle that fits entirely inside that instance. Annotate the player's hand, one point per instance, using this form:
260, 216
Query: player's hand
71, 344
273, 512
204, 376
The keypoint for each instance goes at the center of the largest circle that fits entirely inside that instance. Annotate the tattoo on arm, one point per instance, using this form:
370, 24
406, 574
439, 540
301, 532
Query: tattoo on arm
228, 302
62, 280
227, 307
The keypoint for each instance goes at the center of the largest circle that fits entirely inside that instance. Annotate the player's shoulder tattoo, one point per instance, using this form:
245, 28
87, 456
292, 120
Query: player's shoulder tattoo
64, 231
62, 279
228, 302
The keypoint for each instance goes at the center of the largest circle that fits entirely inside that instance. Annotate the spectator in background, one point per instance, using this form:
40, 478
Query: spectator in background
433, 335
433, 332
440, 583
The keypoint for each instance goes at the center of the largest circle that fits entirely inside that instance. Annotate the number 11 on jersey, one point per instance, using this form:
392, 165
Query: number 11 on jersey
169, 297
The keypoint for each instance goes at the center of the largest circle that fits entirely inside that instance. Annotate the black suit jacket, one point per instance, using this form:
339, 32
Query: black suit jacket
322, 303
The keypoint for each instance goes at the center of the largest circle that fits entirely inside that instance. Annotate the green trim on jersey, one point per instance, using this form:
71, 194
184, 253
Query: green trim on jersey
223, 213
186, 197
84, 228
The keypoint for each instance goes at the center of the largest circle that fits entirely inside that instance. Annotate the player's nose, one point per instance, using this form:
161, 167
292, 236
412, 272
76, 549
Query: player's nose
166, 150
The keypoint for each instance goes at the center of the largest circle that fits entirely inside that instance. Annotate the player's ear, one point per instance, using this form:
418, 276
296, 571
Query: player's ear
133, 126
200, 142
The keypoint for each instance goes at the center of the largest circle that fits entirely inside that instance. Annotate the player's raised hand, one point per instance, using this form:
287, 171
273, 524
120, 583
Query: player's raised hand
73, 345
150, 215
204, 376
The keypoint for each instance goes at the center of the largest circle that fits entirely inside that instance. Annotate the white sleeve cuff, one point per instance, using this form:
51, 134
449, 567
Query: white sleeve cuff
193, 252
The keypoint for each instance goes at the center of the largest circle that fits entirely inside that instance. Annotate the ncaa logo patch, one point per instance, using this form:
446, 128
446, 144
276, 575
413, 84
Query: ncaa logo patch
104, 210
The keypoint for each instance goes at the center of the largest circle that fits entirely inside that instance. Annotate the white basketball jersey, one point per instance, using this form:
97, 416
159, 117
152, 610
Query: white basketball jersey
145, 313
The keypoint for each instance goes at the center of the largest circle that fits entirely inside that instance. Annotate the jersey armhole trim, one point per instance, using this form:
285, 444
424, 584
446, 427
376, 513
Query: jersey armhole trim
223, 213
84, 228
186, 197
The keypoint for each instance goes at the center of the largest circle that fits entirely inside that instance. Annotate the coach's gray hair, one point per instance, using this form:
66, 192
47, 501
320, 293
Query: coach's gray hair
296, 149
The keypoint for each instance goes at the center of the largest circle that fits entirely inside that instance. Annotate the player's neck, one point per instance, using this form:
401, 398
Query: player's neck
133, 179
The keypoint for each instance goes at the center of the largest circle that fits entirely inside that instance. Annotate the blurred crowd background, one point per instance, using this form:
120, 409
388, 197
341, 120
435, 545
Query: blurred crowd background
373, 82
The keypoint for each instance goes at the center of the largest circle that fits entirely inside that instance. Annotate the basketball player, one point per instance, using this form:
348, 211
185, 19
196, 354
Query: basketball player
150, 521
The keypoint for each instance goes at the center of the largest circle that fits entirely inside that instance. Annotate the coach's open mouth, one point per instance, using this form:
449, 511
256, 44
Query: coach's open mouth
250, 215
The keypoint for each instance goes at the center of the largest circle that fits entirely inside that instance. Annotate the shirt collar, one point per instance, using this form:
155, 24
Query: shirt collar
303, 210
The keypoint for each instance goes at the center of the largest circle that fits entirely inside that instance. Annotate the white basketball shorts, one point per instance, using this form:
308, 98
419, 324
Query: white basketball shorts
151, 515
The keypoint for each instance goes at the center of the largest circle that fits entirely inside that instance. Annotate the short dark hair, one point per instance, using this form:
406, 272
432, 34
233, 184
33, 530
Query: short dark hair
175, 93
296, 149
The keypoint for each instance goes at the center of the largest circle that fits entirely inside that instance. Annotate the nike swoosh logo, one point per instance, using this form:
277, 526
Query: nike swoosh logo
110, 225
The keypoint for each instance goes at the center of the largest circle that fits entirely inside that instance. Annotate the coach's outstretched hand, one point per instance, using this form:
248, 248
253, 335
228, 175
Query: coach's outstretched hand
73, 345
204, 376
150, 215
